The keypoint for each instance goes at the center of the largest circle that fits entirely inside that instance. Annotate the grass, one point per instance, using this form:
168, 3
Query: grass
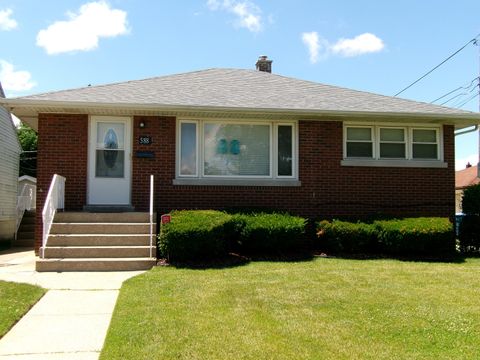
319, 309
15, 300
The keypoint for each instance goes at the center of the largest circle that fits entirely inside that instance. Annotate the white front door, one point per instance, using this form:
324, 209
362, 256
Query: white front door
109, 160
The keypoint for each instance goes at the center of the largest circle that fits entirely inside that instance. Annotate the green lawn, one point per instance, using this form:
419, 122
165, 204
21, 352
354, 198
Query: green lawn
319, 309
15, 300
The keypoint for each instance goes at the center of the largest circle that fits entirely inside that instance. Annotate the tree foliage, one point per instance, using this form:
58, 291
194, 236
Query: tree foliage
27, 137
28, 159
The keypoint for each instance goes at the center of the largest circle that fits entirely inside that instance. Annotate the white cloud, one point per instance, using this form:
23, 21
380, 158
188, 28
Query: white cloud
320, 48
359, 45
14, 80
83, 30
461, 164
6, 22
248, 14
311, 41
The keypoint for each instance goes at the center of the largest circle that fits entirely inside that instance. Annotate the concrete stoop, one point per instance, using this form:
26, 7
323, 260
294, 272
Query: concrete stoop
81, 241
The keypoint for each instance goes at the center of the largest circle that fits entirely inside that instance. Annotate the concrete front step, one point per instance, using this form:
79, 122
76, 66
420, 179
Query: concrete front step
100, 228
98, 251
86, 217
95, 264
100, 240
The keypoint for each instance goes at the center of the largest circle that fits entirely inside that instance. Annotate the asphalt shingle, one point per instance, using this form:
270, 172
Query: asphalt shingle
237, 88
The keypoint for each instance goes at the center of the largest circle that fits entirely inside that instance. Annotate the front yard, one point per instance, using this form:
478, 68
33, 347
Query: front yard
319, 309
15, 300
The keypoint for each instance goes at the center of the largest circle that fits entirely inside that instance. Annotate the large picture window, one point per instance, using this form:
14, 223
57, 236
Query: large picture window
236, 150
216, 149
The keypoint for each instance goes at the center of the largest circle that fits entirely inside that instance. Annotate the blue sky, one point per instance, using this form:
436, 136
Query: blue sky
376, 46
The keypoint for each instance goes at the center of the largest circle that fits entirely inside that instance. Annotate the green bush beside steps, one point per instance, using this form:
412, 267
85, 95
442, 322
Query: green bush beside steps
197, 235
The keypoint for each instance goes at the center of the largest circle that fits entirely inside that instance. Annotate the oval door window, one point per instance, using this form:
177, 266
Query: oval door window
110, 155
111, 143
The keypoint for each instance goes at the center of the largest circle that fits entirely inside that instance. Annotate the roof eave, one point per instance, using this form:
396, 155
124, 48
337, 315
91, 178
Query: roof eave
21, 107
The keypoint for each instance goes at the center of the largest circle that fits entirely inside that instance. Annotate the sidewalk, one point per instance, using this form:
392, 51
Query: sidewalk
70, 321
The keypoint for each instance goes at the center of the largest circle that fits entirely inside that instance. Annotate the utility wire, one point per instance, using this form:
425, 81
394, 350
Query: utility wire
436, 67
466, 94
472, 88
454, 90
467, 101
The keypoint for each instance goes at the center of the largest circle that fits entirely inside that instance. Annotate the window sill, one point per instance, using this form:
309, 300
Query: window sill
237, 182
396, 163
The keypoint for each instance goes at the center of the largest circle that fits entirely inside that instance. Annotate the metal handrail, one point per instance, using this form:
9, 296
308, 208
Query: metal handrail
55, 200
151, 215
24, 202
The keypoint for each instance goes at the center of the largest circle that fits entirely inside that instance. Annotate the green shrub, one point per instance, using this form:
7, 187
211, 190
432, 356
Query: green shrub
194, 235
269, 233
346, 237
410, 236
471, 200
469, 233
416, 236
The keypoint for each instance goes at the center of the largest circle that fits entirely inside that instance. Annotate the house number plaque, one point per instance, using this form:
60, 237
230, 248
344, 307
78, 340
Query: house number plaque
144, 140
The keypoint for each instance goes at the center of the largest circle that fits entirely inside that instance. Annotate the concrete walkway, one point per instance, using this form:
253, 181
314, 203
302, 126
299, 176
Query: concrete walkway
70, 321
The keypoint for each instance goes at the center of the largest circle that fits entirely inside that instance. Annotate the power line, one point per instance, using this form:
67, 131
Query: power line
465, 93
467, 101
436, 67
455, 90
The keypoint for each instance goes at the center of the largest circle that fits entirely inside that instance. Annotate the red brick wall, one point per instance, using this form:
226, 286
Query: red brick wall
62, 149
328, 189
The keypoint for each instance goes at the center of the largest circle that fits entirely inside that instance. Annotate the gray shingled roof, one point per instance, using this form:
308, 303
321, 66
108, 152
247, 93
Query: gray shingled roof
241, 89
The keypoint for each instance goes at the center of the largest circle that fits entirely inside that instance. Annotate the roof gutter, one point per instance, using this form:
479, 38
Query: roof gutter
475, 128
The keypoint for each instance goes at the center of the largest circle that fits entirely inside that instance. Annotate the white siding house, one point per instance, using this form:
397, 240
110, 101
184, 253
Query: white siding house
9, 163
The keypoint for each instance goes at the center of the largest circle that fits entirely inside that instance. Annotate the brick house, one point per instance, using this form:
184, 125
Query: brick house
223, 138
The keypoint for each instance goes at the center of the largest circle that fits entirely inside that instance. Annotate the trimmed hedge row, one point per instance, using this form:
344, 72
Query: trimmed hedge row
194, 234
206, 234
410, 236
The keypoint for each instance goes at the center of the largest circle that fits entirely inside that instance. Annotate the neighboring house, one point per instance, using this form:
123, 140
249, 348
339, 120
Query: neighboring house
9, 162
463, 179
225, 138
27, 186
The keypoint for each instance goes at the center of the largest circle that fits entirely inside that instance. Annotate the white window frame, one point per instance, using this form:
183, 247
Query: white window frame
408, 161
437, 137
372, 141
268, 180
405, 142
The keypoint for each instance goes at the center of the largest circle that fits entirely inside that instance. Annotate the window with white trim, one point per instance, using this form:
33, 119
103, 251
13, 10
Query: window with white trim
425, 144
235, 149
390, 142
359, 142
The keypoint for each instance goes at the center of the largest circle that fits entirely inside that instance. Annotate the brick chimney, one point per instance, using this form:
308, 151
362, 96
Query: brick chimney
263, 64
